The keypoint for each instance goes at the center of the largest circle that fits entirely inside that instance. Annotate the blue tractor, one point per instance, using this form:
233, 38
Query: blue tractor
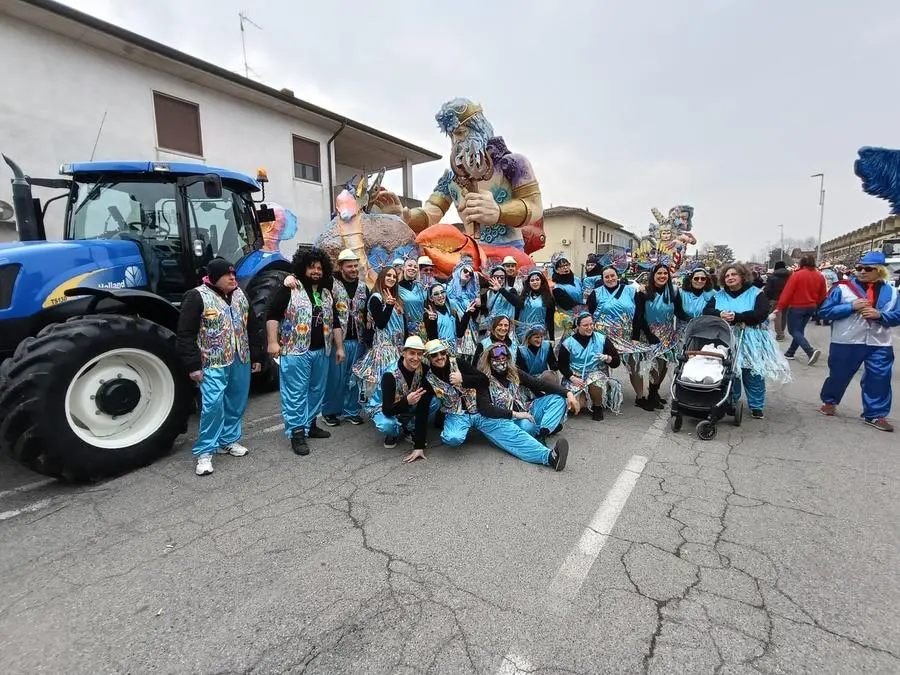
90, 381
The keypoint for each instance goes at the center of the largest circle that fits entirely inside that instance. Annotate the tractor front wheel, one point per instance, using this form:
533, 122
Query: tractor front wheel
93, 397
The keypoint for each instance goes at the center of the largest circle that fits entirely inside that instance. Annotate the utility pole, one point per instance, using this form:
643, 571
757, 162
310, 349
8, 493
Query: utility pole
821, 177
245, 19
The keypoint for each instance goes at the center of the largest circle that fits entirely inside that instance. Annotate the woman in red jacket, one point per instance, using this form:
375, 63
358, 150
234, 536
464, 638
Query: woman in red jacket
802, 294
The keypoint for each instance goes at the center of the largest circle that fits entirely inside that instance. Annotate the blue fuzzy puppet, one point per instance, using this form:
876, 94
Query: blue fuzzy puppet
879, 169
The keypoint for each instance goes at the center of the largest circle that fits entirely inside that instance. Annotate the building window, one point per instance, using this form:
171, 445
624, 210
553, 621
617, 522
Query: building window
306, 160
177, 125
584, 233
592, 235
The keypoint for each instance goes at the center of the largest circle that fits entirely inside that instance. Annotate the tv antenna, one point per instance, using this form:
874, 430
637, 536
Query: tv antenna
246, 19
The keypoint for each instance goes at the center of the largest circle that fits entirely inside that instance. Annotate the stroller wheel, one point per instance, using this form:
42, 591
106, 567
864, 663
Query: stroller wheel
677, 421
706, 430
738, 413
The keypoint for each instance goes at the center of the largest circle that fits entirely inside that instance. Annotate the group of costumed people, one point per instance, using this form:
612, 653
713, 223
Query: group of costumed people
451, 334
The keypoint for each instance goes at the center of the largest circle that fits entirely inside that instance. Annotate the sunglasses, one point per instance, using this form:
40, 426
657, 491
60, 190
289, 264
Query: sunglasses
468, 273
498, 352
437, 294
699, 278
499, 277
864, 268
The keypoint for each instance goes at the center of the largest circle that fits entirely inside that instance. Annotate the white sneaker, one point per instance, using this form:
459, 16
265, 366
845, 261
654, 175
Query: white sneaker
204, 465
235, 450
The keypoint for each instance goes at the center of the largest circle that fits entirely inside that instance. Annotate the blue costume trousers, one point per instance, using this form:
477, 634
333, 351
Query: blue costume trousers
797, 319
224, 392
302, 388
548, 412
844, 361
755, 386
342, 392
504, 434
393, 426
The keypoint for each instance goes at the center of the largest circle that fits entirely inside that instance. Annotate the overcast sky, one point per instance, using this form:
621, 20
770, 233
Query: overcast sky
728, 106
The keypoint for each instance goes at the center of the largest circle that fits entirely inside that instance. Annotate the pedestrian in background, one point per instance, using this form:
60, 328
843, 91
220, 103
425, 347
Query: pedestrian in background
863, 311
775, 284
802, 295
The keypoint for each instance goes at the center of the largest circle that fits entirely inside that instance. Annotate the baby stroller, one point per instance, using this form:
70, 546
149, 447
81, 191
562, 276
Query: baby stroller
704, 377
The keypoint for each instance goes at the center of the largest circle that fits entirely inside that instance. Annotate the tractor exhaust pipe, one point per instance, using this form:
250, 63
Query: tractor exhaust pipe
27, 223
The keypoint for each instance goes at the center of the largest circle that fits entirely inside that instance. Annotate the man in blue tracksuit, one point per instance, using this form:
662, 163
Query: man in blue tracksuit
350, 298
302, 327
862, 311
218, 339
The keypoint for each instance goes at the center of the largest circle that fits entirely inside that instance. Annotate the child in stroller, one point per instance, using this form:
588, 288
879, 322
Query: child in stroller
702, 384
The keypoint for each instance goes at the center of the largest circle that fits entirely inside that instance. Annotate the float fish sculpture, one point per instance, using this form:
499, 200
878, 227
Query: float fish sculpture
446, 244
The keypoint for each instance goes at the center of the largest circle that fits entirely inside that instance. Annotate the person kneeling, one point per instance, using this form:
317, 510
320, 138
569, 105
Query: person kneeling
584, 359
400, 402
502, 409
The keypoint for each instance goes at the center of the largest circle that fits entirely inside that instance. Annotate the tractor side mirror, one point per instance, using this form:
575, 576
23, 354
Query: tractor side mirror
265, 214
212, 184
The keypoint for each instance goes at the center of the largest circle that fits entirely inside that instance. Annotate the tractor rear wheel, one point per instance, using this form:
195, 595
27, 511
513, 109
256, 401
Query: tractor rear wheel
93, 397
259, 294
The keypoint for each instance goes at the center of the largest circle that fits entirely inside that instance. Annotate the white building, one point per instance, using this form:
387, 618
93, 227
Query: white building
71, 79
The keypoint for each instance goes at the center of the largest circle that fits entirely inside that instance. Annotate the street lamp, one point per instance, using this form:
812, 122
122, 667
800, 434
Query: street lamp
781, 249
821, 177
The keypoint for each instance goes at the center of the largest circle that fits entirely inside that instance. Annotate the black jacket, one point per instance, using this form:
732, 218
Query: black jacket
775, 283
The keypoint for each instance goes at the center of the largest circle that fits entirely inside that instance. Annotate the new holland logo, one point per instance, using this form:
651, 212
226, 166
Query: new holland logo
134, 277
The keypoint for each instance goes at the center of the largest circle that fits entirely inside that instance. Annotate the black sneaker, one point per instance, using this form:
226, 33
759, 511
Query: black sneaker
355, 419
756, 414
390, 442
316, 432
542, 436
298, 442
597, 414
331, 420
559, 455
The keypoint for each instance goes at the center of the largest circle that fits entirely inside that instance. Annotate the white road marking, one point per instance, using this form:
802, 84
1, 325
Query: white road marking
583, 555
571, 575
31, 508
27, 488
260, 420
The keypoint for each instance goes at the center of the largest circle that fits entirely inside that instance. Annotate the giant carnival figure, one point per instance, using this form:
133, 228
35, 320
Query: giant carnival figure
494, 190
668, 239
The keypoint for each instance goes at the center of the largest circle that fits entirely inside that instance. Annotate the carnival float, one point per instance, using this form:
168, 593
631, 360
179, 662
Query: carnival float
493, 189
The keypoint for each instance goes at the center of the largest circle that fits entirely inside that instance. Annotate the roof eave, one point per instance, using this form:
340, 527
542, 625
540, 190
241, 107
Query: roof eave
167, 52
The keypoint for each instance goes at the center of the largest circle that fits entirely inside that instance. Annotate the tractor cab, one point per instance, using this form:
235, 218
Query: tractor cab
180, 216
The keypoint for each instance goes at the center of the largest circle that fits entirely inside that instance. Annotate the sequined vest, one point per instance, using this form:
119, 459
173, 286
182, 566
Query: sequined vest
508, 397
350, 309
454, 401
297, 325
222, 327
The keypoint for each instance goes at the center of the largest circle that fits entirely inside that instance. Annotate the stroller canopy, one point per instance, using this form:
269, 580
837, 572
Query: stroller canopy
709, 328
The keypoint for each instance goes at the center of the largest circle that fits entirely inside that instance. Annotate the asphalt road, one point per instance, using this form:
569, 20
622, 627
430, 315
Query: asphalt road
774, 548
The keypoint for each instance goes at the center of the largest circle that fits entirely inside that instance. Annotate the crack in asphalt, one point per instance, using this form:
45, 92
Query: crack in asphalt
698, 508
